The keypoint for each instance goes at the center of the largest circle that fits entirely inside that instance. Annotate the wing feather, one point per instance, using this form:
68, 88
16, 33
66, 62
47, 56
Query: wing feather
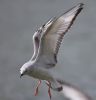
36, 42
53, 35
37, 37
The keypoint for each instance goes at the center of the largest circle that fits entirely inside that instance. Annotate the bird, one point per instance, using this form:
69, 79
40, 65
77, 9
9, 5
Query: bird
46, 41
71, 92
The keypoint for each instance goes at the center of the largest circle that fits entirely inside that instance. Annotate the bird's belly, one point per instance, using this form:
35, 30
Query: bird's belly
41, 74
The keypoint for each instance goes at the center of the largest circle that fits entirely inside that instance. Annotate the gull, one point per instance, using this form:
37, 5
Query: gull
71, 92
47, 40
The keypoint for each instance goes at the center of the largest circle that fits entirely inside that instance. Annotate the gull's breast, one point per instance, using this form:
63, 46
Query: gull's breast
41, 73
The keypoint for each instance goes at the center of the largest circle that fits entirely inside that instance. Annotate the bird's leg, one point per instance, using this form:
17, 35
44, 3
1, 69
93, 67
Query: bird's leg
36, 91
49, 88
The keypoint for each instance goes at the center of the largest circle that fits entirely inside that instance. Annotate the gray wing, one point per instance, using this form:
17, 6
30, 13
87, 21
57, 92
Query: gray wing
37, 37
53, 35
36, 42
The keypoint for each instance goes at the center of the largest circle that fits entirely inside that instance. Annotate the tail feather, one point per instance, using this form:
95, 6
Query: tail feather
71, 92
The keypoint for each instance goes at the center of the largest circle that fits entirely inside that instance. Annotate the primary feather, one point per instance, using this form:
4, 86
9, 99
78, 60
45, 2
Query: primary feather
52, 35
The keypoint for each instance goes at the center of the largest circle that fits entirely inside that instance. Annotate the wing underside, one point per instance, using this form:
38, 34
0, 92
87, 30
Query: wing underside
52, 37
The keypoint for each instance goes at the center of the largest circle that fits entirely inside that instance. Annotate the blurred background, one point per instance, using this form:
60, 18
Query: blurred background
77, 56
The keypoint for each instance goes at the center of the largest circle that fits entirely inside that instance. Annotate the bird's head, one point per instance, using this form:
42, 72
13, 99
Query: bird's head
24, 70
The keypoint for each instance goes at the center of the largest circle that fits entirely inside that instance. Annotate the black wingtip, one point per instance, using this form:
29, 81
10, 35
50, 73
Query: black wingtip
81, 5
76, 8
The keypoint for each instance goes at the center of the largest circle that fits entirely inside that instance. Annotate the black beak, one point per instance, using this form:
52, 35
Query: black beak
21, 75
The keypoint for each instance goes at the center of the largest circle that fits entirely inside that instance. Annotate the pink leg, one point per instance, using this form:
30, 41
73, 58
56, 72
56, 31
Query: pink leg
36, 91
49, 92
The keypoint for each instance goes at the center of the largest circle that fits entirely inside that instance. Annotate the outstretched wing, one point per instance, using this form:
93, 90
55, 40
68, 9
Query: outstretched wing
37, 37
36, 42
53, 35
71, 92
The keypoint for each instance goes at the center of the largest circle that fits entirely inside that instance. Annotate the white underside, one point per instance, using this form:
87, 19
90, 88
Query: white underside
73, 94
